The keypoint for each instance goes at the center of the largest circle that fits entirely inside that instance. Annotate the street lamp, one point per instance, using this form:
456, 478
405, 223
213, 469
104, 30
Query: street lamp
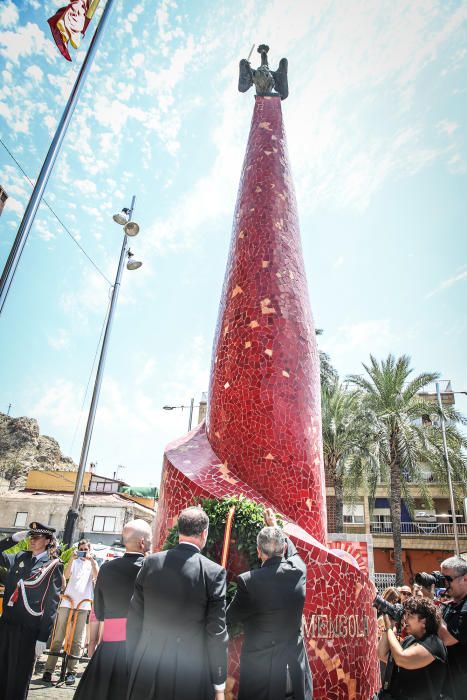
448, 465
130, 228
191, 407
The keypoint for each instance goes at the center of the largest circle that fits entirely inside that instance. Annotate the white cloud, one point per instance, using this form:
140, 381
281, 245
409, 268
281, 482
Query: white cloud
447, 127
86, 186
58, 405
9, 15
338, 262
27, 41
137, 60
43, 228
362, 336
449, 282
35, 73
14, 205
91, 294
60, 340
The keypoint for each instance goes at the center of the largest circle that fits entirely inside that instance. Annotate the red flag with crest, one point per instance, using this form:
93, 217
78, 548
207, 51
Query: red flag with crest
69, 24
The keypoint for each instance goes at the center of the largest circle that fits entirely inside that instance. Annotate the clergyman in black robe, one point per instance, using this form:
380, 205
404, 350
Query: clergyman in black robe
176, 634
269, 603
106, 675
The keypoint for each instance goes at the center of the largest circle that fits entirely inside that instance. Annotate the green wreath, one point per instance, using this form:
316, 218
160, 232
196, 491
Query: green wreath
248, 521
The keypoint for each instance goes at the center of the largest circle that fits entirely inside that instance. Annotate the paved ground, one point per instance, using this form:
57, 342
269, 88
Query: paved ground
38, 690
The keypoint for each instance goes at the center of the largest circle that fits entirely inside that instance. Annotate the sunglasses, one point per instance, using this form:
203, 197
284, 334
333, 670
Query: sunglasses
450, 579
405, 593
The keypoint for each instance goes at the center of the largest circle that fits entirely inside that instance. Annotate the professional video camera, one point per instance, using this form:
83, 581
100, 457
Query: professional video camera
427, 580
396, 611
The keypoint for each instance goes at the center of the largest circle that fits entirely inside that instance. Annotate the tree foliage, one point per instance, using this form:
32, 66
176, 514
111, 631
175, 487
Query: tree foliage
402, 437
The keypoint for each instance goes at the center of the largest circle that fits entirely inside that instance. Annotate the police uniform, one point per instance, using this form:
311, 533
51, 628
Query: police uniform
32, 592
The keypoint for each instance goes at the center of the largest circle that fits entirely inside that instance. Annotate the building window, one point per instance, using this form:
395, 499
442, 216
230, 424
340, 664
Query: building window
103, 523
20, 520
353, 513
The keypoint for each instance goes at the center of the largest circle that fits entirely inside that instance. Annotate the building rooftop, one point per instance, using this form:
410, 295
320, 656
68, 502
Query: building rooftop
88, 498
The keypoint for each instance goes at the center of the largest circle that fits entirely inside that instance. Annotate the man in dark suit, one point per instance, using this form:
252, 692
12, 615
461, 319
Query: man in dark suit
176, 630
32, 592
269, 603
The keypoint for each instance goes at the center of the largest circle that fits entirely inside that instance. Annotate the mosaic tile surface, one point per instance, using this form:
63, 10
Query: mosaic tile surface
262, 436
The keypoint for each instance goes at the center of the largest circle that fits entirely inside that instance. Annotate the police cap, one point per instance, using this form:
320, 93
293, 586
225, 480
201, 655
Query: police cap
36, 528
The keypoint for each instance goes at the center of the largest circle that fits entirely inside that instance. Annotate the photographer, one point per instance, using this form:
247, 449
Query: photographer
420, 662
453, 630
81, 572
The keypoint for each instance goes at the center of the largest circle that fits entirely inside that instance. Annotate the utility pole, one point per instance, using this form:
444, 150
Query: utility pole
72, 515
448, 469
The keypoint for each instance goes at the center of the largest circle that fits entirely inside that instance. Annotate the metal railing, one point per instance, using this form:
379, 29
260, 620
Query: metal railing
420, 529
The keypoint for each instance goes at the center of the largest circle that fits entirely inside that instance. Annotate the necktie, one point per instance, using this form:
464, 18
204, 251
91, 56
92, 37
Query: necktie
33, 560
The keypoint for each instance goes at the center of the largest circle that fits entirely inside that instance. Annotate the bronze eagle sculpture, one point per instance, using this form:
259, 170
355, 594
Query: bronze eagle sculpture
266, 81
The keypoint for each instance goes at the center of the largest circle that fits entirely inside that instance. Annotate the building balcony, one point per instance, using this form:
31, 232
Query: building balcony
415, 535
420, 529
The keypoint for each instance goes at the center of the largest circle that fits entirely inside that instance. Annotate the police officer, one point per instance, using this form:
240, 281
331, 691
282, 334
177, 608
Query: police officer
32, 591
453, 631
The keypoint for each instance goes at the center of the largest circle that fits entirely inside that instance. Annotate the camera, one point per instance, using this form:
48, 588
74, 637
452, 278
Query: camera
80, 553
427, 580
395, 612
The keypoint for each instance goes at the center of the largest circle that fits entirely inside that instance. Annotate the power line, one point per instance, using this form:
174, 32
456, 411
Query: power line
73, 238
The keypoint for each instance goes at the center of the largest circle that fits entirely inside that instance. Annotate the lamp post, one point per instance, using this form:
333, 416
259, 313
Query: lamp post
448, 466
130, 228
190, 416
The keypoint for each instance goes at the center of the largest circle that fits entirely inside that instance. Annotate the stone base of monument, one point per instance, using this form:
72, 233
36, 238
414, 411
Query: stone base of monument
339, 622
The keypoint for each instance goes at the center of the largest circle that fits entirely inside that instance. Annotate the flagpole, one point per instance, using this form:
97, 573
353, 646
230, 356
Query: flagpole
49, 162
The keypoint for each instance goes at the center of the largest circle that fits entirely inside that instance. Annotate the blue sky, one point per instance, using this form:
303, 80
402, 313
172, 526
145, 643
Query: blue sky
376, 124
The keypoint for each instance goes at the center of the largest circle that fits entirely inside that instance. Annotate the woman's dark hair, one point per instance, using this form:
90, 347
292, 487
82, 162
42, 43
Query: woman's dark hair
426, 610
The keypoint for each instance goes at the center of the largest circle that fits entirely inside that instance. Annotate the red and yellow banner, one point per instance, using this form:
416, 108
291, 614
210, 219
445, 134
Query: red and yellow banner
69, 24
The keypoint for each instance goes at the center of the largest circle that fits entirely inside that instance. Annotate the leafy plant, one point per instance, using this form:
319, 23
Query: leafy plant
248, 521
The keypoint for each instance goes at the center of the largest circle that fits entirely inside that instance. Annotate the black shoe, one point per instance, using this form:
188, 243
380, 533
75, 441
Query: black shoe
69, 679
47, 677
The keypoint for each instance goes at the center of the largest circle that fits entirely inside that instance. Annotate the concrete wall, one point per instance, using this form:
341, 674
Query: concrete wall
413, 561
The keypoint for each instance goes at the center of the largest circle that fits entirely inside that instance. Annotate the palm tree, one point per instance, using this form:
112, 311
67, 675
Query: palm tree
342, 437
403, 440
327, 373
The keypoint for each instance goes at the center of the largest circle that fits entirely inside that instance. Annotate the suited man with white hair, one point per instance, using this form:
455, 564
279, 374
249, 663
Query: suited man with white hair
269, 603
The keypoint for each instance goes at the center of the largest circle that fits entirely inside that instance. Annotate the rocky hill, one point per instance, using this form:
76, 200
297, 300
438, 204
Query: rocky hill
22, 448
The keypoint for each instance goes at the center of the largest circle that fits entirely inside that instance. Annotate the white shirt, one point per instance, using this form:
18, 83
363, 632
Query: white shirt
79, 585
42, 555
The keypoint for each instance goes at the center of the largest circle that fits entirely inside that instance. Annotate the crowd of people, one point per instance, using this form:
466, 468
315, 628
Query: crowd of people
159, 623
422, 643
163, 617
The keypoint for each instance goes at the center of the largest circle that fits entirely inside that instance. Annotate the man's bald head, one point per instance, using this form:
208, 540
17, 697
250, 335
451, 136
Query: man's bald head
137, 536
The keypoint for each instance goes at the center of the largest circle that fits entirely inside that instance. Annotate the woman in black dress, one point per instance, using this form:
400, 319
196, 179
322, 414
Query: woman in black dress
420, 662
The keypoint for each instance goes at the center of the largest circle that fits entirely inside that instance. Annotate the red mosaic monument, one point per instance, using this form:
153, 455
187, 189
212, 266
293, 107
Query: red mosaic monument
262, 436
